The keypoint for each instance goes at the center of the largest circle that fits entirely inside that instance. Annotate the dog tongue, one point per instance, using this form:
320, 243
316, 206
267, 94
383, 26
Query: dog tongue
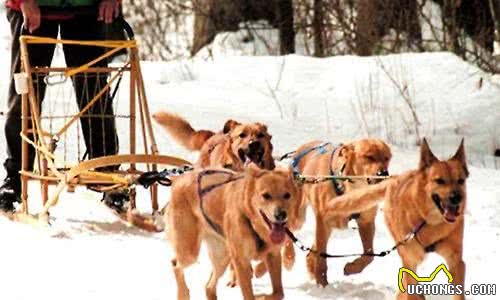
451, 213
277, 233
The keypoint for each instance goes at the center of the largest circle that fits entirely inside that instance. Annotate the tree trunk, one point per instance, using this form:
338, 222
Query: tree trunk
495, 13
367, 27
284, 13
450, 22
318, 19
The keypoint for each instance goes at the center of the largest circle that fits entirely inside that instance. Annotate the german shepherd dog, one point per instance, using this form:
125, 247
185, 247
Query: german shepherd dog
240, 216
363, 157
433, 197
233, 147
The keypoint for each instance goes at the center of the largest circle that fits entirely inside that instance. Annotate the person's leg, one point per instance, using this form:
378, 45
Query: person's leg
39, 55
98, 124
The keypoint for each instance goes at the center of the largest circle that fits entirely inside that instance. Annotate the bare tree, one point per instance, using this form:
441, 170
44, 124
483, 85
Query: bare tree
285, 18
318, 27
495, 12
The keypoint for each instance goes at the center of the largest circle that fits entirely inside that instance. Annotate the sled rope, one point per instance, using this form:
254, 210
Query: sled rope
313, 179
410, 236
147, 179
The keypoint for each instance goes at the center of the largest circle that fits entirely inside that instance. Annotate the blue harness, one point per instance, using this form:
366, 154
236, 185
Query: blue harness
337, 186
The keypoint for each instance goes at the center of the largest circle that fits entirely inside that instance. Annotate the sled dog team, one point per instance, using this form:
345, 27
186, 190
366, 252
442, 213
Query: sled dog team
245, 208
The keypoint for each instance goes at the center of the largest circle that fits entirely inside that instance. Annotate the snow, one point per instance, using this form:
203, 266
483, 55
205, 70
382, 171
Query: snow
88, 253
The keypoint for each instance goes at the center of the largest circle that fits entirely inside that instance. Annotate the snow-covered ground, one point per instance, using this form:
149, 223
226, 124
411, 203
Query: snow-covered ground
89, 254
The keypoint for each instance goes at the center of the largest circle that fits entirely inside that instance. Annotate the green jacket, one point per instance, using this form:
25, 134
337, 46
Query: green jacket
67, 3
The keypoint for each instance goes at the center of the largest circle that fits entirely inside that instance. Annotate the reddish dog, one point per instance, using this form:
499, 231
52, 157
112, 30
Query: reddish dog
231, 148
364, 157
432, 198
241, 217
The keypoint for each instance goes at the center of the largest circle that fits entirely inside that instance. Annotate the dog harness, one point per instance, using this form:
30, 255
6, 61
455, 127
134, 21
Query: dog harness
430, 248
259, 242
202, 191
337, 186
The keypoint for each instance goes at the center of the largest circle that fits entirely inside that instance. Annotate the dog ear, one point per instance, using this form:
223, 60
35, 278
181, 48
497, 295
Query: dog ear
230, 125
263, 127
254, 170
346, 151
268, 159
426, 155
460, 157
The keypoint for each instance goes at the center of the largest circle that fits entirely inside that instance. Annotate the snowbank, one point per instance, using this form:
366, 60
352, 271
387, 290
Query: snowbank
340, 98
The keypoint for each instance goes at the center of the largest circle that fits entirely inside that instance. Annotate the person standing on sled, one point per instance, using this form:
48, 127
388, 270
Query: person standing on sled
48, 18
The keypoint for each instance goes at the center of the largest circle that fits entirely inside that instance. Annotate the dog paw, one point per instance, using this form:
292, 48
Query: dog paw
260, 270
231, 284
321, 280
350, 269
317, 269
233, 281
357, 266
270, 297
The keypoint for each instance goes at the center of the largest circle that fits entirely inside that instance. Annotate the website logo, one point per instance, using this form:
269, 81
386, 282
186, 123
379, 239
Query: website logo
425, 286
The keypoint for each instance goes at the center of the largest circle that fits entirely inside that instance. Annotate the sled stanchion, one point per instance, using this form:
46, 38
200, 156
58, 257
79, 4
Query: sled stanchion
24, 130
143, 116
24, 154
132, 124
141, 112
132, 109
149, 124
148, 127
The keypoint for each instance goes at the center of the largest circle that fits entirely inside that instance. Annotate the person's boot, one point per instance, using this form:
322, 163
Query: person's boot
117, 200
10, 192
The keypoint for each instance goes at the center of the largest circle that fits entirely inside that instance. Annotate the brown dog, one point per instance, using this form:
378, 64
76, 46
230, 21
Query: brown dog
236, 145
361, 158
241, 217
432, 198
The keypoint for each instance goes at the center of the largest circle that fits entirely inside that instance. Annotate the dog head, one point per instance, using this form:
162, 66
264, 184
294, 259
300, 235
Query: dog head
445, 182
273, 200
251, 142
369, 157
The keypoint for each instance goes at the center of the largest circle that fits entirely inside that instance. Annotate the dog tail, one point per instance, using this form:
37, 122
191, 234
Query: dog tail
358, 200
181, 130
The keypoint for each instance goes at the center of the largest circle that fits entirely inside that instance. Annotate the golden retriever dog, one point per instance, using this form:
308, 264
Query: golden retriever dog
366, 157
240, 216
429, 201
233, 147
